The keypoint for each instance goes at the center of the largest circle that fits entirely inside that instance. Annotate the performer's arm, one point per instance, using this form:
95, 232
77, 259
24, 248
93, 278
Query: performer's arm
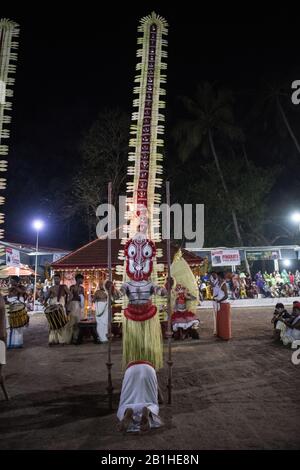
47, 296
189, 296
116, 293
162, 291
67, 293
71, 293
274, 318
96, 296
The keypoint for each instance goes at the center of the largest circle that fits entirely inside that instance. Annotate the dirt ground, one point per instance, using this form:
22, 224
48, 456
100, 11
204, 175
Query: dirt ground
242, 394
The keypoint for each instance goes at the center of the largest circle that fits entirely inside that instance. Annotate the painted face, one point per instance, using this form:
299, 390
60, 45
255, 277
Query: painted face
180, 289
139, 252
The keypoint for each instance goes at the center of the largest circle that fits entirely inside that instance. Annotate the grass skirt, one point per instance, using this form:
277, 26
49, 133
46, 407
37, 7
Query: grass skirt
142, 341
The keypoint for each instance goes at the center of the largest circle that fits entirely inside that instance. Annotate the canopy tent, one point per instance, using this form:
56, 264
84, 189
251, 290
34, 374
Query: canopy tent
22, 270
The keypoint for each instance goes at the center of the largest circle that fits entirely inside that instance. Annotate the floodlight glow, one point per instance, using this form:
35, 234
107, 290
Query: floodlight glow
286, 262
38, 224
295, 217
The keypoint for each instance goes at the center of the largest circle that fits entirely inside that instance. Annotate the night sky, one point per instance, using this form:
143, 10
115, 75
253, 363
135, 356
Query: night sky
75, 63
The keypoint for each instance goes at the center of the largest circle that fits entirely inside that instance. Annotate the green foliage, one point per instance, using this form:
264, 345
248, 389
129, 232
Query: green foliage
248, 193
103, 159
210, 110
233, 189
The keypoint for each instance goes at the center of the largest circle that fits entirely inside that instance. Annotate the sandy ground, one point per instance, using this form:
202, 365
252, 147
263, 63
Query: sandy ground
242, 394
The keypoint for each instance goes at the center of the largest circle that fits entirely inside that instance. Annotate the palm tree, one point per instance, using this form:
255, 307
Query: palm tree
209, 117
271, 104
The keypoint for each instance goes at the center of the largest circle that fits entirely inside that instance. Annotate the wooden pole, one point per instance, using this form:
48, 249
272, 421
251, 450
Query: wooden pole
169, 331
109, 364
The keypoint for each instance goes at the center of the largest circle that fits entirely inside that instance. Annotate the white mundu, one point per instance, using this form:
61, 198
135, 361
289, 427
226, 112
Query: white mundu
14, 335
101, 307
2, 352
64, 334
139, 390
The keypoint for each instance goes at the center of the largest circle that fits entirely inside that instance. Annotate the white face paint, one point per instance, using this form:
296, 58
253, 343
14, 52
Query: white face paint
139, 258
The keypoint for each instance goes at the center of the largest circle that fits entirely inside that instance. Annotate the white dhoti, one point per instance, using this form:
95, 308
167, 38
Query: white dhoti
75, 317
2, 353
64, 334
14, 335
139, 390
291, 335
15, 338
102, 319
280, 326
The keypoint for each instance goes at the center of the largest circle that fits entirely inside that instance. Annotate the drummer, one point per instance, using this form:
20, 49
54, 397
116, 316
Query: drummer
58, 294
16, 294
76, 305
16, 291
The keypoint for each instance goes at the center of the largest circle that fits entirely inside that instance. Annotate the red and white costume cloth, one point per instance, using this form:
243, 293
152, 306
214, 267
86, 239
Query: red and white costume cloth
140, 307
139, 390
142, 339
183, 318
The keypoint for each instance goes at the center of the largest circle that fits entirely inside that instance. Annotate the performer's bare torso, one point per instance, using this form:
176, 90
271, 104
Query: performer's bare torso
54, 290
139, 292
76, 291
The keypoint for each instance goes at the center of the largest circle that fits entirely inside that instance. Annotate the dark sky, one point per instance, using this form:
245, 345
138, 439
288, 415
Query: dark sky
76, 62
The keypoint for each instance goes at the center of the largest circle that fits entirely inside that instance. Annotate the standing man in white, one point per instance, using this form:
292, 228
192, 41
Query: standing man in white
101, 306
76, 304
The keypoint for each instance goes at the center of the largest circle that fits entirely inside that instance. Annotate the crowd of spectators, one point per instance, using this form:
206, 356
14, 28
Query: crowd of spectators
241, 285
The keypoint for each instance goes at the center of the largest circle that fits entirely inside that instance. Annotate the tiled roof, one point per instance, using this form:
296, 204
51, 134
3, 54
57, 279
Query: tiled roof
26, 246
94, 255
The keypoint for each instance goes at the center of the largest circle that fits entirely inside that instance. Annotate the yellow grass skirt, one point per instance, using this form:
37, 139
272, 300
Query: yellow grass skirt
142, 341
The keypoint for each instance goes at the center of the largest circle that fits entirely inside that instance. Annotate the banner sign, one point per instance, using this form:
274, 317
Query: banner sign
262, 255
225, 257
12, 257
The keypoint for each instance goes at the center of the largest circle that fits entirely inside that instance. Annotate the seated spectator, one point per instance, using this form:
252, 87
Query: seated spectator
297, 289
280, 314
266, 290
292, 332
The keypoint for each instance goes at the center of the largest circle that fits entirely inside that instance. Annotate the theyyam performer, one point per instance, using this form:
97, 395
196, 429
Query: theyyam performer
142, 285
185, 322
